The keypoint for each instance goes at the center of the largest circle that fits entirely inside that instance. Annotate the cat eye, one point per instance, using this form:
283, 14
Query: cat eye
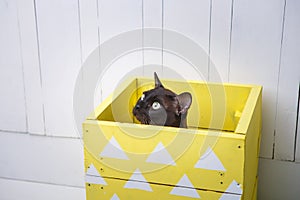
143, 97
155, 105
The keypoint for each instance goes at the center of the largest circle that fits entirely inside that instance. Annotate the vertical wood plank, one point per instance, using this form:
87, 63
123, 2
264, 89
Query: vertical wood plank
89, 22
220, 40
152, 10
288, 88
31, 65
12, 101
89, 37
118, 17
59, 43
255, 53
192, 19
152, 18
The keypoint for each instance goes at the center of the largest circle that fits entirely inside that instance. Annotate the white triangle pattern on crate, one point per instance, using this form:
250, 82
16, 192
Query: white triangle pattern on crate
138, 181
92, 171
114, 150
183, 191
95, 180
93, 176
209, 160
115, 197
161, 155
227, 196
235, 188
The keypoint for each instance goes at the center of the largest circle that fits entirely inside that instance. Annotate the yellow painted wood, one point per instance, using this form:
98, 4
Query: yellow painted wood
186, 148
214, 105
252, 141
115, 188
220, 148
254, 193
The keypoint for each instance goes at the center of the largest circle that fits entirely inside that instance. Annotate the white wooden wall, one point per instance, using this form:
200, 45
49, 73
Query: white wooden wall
44, 42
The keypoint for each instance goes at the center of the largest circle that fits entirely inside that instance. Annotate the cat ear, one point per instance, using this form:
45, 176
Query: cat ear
185, 101
157, 81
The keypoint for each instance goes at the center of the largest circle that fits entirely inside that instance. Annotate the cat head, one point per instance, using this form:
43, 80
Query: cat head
161, 106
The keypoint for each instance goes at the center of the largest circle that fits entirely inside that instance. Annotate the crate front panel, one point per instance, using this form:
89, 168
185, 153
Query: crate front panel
115, 189
212, 160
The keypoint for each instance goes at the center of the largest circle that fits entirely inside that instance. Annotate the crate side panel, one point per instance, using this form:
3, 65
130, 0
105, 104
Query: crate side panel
248, 111
227, 104
164, 155
252, 149
216, 106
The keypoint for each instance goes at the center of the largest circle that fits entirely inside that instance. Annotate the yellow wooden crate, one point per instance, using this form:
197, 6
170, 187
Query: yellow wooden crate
215, 158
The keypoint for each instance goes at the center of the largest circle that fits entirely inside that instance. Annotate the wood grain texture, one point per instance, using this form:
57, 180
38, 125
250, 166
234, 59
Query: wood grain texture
255, 55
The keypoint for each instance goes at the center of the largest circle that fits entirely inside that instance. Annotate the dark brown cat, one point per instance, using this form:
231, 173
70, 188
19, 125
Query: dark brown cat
163, 107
